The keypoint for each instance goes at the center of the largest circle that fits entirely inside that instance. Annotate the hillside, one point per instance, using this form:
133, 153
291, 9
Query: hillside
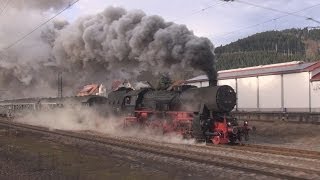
270, 47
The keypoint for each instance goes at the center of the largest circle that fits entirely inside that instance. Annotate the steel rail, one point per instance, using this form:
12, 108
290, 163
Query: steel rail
268, 169
301, 153
281, 150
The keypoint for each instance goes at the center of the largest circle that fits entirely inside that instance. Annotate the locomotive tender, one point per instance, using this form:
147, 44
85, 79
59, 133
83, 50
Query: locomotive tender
200, 113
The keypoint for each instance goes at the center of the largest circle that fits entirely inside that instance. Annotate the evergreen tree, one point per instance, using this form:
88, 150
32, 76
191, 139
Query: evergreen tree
270, 47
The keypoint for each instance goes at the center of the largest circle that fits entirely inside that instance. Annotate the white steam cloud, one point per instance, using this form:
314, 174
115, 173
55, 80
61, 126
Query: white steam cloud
80, 118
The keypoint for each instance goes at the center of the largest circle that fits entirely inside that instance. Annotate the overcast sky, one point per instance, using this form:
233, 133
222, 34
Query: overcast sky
212, 18
221, 22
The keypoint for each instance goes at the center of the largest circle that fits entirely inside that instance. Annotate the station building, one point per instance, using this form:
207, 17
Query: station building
292, 87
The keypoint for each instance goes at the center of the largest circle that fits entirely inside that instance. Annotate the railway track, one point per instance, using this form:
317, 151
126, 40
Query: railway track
180, 152
279, 151
283, 151
295, 153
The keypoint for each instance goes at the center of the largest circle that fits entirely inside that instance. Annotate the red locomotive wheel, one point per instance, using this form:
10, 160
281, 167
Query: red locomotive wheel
216, 140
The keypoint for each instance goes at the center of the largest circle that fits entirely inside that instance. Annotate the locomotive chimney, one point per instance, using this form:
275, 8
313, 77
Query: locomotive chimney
212, 77
213, 82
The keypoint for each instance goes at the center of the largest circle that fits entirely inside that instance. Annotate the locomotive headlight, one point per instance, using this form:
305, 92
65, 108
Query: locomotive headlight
229, 124
245, 123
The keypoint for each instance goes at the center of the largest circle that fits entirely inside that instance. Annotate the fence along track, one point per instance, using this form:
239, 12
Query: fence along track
268, 169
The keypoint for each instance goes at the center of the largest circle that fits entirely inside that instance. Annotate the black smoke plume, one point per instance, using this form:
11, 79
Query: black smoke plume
113, 44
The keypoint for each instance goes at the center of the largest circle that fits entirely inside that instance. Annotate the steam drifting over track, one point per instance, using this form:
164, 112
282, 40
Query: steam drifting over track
196, 154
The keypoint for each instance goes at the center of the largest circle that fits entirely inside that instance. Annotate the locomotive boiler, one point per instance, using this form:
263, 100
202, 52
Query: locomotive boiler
200, 113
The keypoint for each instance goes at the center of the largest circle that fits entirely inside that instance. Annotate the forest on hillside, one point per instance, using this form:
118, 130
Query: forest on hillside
270, 47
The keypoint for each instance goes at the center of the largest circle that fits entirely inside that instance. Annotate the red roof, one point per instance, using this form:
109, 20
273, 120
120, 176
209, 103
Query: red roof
88, 90
315, 77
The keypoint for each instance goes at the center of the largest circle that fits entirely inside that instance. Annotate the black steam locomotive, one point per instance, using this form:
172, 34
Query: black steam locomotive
200, 113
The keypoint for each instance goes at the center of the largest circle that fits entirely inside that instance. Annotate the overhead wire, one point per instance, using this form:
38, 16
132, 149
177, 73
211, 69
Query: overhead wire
270, 9
193, 13
40, 25
4, 7
277, 10
200, 10
264, 22
2, 3
71, 4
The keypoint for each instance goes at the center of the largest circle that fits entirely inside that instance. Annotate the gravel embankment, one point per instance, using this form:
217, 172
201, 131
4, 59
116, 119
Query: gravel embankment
299, 136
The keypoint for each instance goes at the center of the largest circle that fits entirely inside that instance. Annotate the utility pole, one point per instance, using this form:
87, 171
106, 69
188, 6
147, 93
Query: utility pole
60, 85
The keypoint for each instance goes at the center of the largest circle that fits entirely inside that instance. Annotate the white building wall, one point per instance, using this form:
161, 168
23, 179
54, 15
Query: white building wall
315, 96
296, 97
205, 84
230, 82
247, 94
198, 84
296, 91
270, 93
